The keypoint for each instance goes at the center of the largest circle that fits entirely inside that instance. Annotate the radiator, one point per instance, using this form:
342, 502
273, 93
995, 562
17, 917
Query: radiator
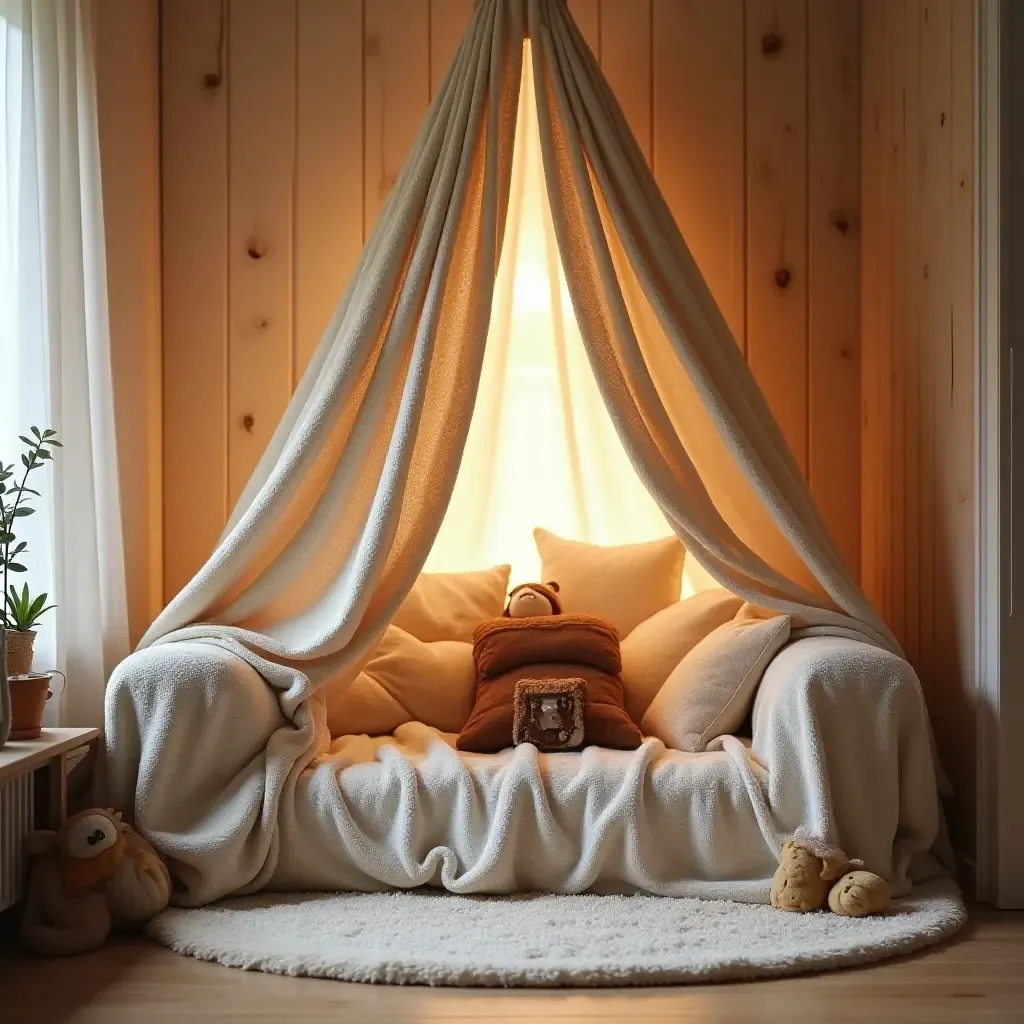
16, 821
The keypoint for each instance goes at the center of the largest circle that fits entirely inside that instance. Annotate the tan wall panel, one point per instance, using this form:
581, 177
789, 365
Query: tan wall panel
918, 441
952, 704
262, 135
699, 139
449, 20
127, 59
960, 443
929, 176
195, 263
328, 163
776, 163
910, 334
627, 62
833, 182
892, 18
872, 182
587, 14
903, 162
396, 94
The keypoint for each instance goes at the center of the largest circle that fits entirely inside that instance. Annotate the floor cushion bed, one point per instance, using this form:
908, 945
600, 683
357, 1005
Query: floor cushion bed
226, 788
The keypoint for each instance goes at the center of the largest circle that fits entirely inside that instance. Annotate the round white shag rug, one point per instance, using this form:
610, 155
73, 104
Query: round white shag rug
436, 938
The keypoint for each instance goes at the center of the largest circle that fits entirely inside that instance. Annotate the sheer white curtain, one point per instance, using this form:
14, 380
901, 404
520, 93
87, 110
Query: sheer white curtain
542, 449
54, 341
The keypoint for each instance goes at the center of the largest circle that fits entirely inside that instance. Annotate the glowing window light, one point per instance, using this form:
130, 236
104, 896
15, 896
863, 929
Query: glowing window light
542, 450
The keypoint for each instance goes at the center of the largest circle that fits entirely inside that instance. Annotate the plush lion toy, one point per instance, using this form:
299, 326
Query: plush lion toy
94, 874
533, 599
812, 873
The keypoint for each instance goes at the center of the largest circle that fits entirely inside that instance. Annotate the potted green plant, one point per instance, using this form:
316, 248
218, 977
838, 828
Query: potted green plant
20, 610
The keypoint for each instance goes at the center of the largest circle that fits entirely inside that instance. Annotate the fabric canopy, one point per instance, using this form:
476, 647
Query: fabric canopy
541, 448
342, 511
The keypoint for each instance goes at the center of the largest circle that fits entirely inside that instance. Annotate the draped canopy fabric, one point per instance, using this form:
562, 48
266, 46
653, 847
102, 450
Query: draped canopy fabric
541, 448
344, 508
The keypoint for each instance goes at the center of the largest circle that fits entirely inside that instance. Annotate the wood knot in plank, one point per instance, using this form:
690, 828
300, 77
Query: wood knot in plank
772, 44
844, 221
783, 277
248, 422
256, 248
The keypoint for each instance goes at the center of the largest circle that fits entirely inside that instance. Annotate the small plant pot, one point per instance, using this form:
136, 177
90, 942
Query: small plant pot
20, 648
29, 694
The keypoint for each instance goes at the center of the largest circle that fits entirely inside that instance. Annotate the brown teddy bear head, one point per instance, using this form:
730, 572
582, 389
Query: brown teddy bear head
533, 599
88, 847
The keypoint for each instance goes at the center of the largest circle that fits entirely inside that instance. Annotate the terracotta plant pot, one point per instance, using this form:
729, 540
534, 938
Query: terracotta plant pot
29, 694
20, 647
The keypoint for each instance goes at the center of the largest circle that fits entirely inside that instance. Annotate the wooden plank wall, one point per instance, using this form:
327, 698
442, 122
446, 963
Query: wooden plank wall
285, 123
127, 61
918, 321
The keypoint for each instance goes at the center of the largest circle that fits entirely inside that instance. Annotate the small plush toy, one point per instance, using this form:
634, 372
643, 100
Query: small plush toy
533, 599
858, 894
94, 874
812, 873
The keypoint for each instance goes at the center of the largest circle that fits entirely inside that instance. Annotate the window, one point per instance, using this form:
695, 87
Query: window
10, 153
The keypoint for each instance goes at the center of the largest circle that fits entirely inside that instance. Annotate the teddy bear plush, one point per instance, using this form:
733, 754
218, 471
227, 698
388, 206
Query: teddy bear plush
94, 874
533, 599
812, 873
858, 894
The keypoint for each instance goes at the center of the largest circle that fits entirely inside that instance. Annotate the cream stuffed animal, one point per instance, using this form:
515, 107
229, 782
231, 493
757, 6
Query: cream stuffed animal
96, 873
812, 873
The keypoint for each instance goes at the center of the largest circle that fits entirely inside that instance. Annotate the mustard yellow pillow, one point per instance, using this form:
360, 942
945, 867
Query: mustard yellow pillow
624, 584
658, 644
406, 680
450, 605
711, 690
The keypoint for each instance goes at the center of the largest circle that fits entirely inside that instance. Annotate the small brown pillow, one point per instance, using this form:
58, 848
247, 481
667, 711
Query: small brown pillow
554, 649
605, 724
503, 644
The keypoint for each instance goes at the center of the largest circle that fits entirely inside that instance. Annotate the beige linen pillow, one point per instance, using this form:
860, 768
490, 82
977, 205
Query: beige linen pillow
406, 680
450, 605
711, 690
658, 644
624, 584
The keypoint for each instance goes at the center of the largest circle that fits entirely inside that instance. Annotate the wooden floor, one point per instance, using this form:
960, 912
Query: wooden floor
976, 977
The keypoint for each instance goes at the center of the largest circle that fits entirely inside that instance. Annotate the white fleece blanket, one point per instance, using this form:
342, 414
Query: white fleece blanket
226, 788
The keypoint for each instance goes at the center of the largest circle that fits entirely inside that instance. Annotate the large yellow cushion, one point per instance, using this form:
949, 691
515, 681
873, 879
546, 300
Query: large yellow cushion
624, 584
406, 680
450, 605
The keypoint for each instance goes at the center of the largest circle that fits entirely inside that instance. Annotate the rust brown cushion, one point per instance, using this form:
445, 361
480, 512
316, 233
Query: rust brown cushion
502, 644
548, 647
